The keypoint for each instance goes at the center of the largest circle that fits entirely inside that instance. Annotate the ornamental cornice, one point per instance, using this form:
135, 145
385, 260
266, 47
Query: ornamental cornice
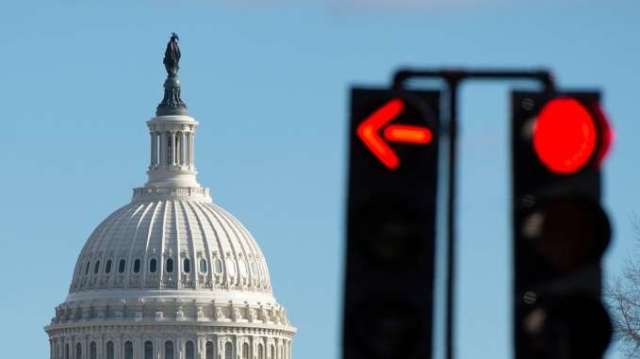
199, 194
121, 327
165, 311
173, 123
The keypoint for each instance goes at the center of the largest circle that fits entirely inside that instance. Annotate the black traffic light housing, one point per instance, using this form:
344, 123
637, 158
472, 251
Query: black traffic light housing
560, 230
391, 224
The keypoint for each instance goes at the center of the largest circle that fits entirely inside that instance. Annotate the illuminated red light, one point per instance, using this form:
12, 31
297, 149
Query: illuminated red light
408, 134
607, 135
369, 129
565, 135
368, 132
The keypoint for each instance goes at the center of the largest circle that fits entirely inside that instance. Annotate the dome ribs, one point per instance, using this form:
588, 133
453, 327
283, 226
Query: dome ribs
151, 229
243, 258
225, 282
159, 234
87, 249
94, 251
172, 247
156, 230
230, 259
190, 244
259, 260
100, 231
130, 216
191, 216
129, 280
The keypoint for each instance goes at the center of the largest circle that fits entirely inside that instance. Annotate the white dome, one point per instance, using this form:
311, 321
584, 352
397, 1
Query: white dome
171, 274
171, 244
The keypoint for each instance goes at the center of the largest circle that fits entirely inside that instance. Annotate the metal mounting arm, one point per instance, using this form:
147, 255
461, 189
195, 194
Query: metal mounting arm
453, 77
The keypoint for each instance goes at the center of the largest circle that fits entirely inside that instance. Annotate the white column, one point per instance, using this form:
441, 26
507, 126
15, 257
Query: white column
154, 149
157, 344
192, 153
183, 148
173, 148
187, 147
163, 149
177, 151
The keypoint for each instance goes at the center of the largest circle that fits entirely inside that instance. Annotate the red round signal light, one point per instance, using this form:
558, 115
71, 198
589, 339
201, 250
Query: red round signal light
565, 135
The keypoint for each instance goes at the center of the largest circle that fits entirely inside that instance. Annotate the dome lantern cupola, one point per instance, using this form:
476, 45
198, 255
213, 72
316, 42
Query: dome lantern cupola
172, 135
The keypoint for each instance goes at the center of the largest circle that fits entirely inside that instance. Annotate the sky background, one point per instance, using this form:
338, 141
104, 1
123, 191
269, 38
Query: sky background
268, 81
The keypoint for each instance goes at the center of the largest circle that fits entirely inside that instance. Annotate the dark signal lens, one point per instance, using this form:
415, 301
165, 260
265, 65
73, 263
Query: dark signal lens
565, 135
575, 326
569, 233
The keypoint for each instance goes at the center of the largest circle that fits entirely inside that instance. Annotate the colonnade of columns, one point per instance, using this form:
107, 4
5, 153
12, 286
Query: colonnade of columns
158, 348
172, 148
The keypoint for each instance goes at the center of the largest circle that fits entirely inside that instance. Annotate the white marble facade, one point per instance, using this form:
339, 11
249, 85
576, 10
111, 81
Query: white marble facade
171, 275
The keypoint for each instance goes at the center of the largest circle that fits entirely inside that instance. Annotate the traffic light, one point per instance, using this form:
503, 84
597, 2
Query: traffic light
560, 230
391, 224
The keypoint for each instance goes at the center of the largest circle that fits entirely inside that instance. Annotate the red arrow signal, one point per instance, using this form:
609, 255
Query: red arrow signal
368, 132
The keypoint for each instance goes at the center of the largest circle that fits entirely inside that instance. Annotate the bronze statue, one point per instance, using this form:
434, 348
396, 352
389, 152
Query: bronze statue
172, 103
172, 56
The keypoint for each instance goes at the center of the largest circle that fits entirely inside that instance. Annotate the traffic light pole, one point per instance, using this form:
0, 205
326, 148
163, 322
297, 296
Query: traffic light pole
453, 78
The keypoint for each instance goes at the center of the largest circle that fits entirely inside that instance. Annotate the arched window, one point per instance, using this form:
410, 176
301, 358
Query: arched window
186, 265
170, 265
122, 265
203, 266
136, 266
93, 351
86, 269
111, 354
96, 267
218, 265
153, 264
209, 350
190, 352
260, 351
228, 351
128, 350
107, 268
245, 351
168, 350
78, 351
148, 350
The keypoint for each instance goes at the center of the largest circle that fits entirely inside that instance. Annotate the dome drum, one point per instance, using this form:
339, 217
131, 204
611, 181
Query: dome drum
158, 311
172, 342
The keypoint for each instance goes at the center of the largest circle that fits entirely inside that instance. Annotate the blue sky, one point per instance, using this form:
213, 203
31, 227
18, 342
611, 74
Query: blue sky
268, 81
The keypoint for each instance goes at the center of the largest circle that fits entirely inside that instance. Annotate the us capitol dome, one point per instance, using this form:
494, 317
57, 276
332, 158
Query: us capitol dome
171, 275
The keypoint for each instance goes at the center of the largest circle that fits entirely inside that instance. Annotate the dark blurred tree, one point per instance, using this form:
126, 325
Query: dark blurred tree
623, 296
